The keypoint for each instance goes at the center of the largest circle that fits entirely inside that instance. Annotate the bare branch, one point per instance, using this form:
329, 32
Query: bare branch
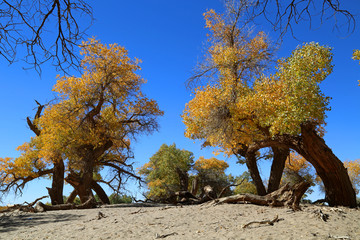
29, 24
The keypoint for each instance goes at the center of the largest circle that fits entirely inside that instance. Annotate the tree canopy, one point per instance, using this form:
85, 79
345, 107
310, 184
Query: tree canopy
167, 172
90, 125
242, 113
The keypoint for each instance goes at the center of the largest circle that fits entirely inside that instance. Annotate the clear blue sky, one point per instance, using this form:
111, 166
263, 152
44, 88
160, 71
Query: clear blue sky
169, 36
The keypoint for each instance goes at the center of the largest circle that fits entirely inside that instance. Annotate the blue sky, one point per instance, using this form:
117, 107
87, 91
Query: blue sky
169, 37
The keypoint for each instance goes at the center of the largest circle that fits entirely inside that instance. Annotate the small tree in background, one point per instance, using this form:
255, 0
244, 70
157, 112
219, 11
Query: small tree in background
211, 172
244, 184
167, 172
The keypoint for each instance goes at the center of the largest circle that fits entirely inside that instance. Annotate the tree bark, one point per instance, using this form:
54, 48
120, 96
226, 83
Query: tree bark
100, 192
83, 182
72, 196
195, 185
277, 167
82, 188
254, 173
57, 186
338, 187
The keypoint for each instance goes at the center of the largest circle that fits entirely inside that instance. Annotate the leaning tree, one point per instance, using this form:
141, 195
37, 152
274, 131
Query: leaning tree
242, 111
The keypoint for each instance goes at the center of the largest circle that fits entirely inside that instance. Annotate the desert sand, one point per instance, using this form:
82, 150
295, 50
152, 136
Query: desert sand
144, 221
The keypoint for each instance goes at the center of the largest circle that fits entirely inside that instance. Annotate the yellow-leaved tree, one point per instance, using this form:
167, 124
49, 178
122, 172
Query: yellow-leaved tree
92, 123
242, 110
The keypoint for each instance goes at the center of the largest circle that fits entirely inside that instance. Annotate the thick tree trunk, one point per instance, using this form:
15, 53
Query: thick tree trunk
81, 184
338, 187
254, 173
57, 186
277, 167
100, 192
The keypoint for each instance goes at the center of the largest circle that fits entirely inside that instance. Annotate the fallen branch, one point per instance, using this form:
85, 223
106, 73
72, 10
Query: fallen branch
25, 207
284, 196
41, 207
270, 222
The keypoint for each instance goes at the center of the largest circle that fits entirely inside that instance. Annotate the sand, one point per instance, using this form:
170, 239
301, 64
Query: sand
208, 222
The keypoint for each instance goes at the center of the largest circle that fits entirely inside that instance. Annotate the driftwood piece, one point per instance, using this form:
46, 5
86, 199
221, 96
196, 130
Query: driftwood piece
25, 207
284, 196
41, 207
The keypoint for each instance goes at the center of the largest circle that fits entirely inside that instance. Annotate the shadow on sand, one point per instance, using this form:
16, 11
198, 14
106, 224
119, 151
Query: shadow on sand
13, 222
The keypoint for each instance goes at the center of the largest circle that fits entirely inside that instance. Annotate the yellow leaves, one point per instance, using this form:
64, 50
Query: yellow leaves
296, 163
234, 112
356, 56
212, 164
214, 22
353, 168
103, 104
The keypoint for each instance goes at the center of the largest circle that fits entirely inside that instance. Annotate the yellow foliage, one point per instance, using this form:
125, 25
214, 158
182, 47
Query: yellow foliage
356, 56
296, 163
210, 164
353, 168
102, 107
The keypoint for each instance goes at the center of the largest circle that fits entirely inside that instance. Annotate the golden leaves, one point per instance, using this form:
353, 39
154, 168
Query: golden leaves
104, 106
353, 169
210, 164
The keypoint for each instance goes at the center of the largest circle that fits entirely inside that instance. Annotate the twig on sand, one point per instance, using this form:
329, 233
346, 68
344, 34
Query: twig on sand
270, 222
157, 236
339, 237
138, 211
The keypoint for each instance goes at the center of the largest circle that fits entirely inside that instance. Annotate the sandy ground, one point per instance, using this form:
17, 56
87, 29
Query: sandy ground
188, 222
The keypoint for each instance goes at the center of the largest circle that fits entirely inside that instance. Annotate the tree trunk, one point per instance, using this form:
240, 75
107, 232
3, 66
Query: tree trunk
57, 186
195, 185
81, 184
100, 192
338, 187
72, 196
277, 167
183, 179
254, 173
